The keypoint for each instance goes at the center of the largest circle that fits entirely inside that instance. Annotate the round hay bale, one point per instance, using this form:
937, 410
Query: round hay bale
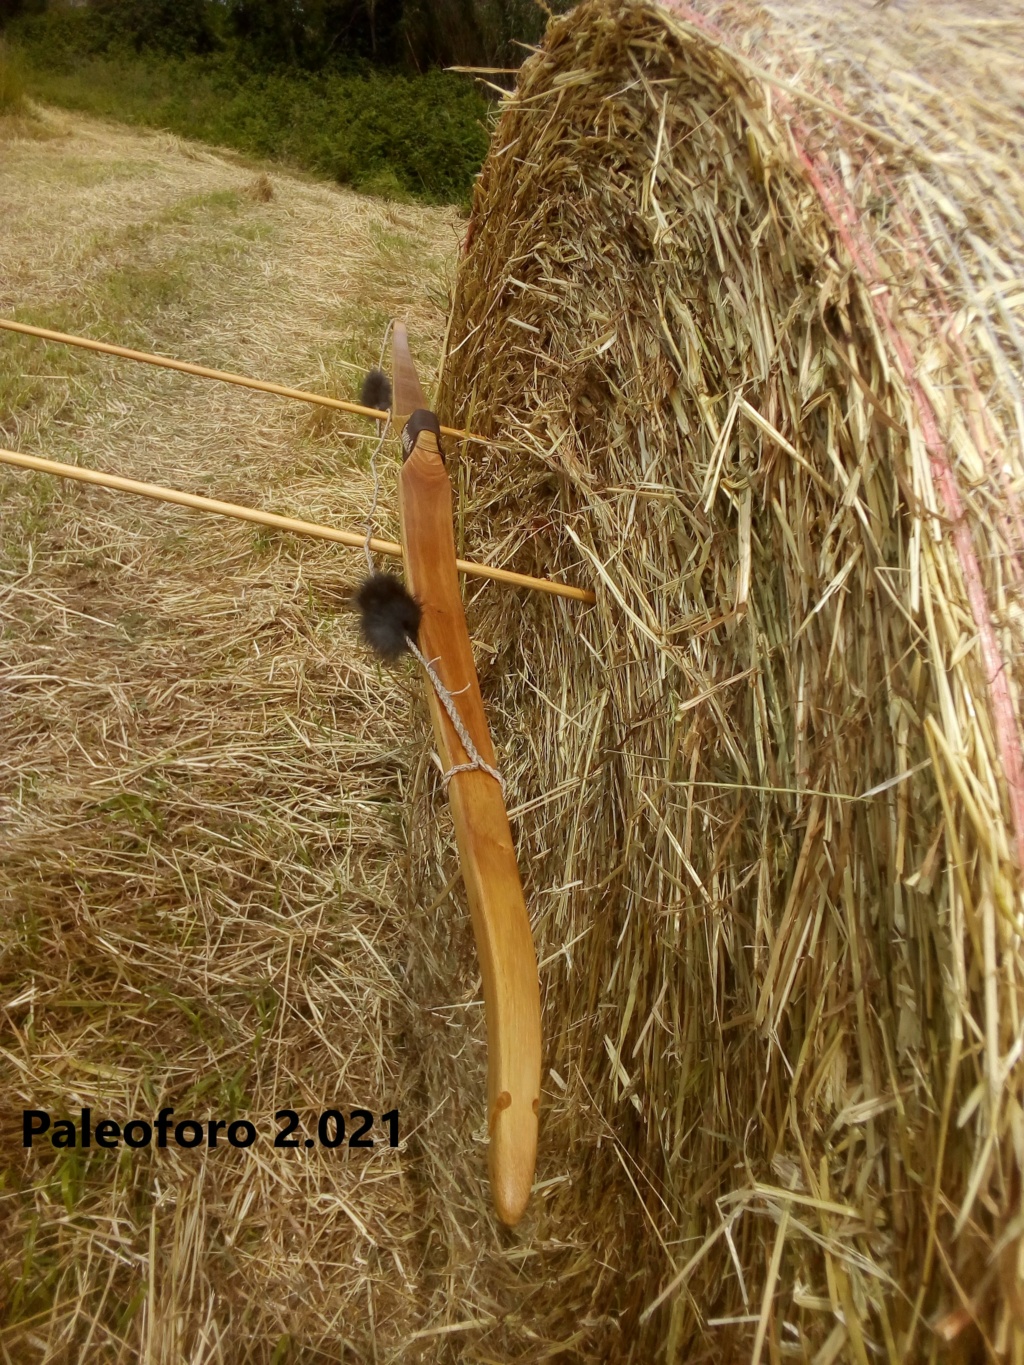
741, 305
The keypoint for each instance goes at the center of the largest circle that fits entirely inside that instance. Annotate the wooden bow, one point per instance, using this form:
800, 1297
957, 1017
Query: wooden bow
501, 926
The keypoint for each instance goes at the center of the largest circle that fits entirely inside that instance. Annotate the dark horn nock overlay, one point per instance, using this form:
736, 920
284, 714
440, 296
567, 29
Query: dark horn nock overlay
421, 420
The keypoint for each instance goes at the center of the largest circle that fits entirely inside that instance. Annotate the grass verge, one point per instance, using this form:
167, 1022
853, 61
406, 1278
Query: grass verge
12, 87
399, 137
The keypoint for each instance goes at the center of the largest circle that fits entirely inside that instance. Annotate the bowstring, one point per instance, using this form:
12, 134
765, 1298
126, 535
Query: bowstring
383, 427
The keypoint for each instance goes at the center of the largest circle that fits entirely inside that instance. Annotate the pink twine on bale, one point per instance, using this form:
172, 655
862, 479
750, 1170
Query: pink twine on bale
945, 477
849, 226
945, 322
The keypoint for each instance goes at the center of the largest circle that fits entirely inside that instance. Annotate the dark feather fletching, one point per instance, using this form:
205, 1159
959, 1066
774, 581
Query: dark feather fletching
389, 617
376, 391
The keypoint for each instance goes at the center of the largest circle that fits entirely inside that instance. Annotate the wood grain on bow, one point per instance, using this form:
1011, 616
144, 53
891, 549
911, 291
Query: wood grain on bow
501, 926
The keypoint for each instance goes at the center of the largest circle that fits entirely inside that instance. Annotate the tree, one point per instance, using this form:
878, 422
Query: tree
475, 32
269, 30
175, 27
14, 9
314, 34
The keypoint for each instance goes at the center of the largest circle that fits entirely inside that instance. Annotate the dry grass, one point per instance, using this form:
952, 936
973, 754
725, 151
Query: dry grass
764, 371
261, 188
767, 368
202, 874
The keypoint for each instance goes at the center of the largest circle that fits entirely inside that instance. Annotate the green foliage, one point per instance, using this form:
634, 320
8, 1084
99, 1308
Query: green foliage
177, 28
426, 133
475, 32
169, 28
12, 87
422, 137
60, 37
290, 80
317, 35
14, 9
309, 35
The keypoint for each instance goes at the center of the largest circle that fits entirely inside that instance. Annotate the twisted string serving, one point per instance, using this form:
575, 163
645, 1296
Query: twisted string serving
448, 702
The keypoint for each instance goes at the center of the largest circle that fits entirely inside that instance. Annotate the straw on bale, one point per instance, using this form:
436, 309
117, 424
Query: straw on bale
743, 287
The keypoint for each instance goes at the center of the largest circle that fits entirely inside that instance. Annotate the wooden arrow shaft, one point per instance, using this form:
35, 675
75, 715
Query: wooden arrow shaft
204, 372
501, 926
274, 521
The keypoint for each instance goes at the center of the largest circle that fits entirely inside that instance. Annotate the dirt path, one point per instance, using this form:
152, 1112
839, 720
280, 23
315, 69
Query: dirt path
201, 774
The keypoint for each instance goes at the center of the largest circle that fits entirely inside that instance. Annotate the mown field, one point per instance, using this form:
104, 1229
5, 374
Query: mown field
203, 873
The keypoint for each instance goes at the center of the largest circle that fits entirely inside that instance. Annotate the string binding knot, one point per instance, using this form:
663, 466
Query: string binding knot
476, 762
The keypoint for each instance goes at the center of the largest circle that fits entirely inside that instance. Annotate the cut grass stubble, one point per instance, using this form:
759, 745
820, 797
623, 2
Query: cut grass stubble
203, 775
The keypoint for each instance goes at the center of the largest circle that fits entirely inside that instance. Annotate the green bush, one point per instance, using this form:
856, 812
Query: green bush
420, 136
428, 132
12, 87
176, 28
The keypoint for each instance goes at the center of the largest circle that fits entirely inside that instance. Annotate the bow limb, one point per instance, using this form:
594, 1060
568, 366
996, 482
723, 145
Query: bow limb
501, 925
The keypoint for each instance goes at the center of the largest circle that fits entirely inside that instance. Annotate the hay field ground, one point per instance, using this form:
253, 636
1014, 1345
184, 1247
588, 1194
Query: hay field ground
203, 870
